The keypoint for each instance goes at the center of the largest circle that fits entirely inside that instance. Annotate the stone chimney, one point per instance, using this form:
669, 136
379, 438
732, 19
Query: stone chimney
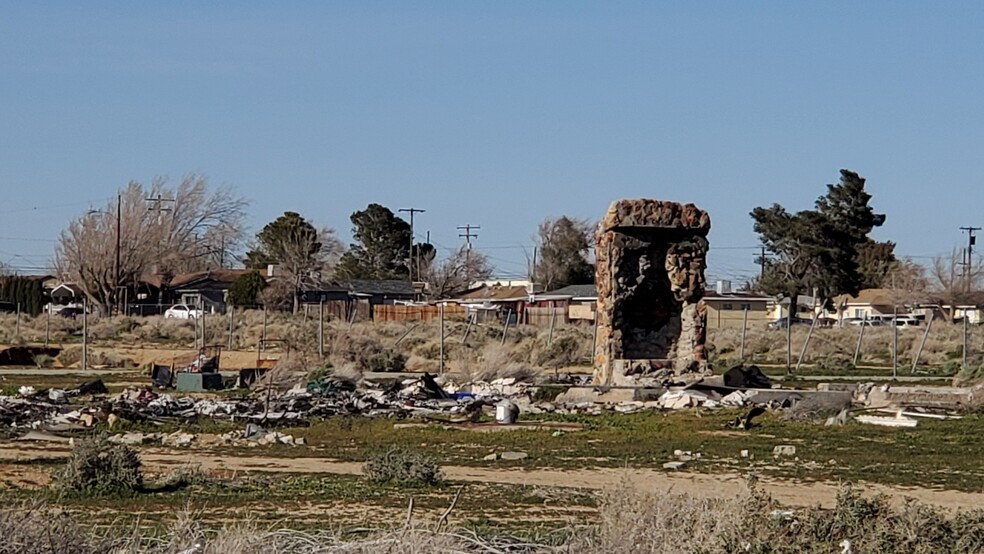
651, 257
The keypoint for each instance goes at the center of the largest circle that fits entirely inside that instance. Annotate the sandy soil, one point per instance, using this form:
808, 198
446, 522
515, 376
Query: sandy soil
788, 492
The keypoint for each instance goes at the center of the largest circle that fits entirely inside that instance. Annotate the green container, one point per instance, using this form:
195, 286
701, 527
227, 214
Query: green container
198, 382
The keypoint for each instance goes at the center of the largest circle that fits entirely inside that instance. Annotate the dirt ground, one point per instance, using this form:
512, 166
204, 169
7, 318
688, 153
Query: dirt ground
17, 469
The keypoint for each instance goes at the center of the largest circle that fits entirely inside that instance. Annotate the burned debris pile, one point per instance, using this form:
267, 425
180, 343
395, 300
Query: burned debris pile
441, 400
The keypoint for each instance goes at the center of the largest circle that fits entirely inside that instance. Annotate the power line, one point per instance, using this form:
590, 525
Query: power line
28, 239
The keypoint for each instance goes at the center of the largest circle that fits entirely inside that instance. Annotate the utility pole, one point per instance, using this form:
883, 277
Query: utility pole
411, 211
116, 268
969, 263
468, 235
158, 206
761, 261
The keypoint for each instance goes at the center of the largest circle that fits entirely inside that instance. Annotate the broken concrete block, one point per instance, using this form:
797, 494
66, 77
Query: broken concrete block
784, 450
491, 457
130, 439
674, 465
736, 398
177, 439
888, 421
513, 456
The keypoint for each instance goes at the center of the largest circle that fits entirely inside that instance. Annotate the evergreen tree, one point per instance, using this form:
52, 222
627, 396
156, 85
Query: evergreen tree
382, 247
820, 251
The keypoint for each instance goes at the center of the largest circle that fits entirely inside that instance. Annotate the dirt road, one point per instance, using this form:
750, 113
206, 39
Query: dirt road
788, 492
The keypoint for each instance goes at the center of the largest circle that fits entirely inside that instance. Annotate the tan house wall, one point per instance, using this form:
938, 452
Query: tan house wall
720, 318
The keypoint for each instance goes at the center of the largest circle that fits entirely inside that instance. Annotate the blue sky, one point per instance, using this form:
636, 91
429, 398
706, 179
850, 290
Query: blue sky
496, 114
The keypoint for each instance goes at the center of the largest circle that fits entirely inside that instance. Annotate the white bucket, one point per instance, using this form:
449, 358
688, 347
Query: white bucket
506, 412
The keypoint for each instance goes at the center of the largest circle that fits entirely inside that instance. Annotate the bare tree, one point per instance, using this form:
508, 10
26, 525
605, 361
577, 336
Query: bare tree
180, 229
952, 282
303, 253
906, 282
456, 273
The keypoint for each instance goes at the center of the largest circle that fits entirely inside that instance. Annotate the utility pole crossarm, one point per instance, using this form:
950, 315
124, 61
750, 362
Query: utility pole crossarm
468, 235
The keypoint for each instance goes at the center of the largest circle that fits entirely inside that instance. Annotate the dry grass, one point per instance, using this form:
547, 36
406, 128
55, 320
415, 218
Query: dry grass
834, 348
393, 346
493, 361
630, 521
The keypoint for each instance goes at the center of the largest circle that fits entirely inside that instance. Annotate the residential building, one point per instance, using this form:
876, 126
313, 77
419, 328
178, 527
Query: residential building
732, 309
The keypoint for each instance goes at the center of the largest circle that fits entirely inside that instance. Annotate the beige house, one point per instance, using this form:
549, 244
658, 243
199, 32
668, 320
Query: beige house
728, 309
877, 304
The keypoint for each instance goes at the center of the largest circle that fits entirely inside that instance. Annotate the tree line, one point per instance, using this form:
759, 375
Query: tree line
165, 230
828, 251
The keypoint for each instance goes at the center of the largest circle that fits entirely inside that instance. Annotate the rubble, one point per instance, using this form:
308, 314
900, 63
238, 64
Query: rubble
897, 420
513, 456
428, 399
784, 450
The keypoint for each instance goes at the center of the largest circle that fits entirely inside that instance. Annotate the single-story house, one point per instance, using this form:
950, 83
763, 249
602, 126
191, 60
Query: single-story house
579, 303
209, 288
872, 304
384, 291
806, 307
732, 309
503, 301
356, 298
66, 294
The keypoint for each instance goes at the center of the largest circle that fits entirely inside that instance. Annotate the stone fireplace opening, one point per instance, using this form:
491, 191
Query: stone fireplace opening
650, 277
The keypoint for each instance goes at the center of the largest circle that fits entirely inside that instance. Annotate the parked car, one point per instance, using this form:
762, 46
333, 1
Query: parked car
905, 321
182, 311
866, 322
69, 311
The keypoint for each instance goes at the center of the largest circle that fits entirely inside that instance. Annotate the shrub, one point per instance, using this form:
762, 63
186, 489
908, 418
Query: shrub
494, 361
366, 353
99, 467
568, 348
403, 466
36, 529
246, 289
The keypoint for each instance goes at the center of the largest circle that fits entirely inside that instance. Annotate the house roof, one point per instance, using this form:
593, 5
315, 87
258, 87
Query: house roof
880, 297
28, 277
495, 294
387, 287
712, 294
573, 291
71, 289
801, 300
185, 280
